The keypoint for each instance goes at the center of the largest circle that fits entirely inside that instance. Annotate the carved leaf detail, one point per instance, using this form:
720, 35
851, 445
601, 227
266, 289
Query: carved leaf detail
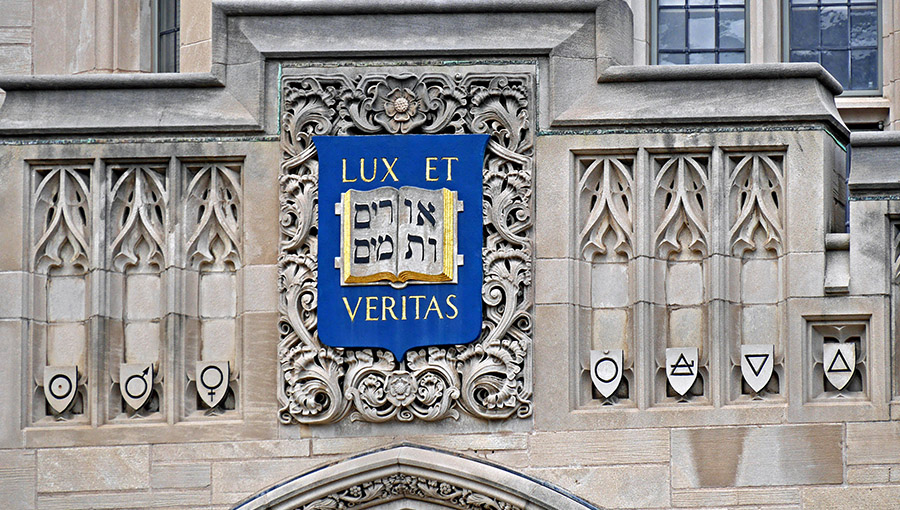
680, 201
138, 200
403, 486
756, 198
212, 216
62, 220
488, 378
606, 205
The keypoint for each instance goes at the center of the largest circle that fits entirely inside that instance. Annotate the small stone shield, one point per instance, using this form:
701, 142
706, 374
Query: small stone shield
840, 363
681, 367
60, 386
757, 362
212, 381
136, 383
606, 370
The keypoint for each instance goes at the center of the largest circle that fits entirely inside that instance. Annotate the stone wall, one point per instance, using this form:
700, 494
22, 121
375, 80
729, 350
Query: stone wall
155, 225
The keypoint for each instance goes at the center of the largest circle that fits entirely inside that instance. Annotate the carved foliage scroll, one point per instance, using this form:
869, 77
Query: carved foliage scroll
401, 486
756, 203
488, 378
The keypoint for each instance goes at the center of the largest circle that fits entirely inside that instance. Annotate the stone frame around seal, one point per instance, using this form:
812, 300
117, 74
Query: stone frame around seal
489, 378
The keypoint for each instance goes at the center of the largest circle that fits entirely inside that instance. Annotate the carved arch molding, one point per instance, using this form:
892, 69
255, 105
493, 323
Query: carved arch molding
489, 378
410, 476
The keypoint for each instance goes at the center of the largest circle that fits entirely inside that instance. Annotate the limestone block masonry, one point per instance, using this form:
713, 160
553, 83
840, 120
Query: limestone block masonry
691, 228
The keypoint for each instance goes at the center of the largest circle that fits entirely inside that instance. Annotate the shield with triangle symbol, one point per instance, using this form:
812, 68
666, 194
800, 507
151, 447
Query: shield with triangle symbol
681, 367
839, 362
757, 362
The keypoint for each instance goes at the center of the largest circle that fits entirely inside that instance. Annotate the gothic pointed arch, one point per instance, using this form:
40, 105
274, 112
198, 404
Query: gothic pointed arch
412, 476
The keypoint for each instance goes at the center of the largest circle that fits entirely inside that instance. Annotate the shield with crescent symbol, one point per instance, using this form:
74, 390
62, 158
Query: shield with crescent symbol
59, 386
606, 370
681, 367
839, 362
136, 383
757, 362
212, 381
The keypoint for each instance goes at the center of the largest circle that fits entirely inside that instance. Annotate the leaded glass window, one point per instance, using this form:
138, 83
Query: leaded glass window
700, 32
842, 35
167, 40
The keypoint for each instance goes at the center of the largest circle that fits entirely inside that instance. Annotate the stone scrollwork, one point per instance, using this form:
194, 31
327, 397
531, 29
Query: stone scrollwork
62, 212
488, 378
756, 200
403, 486
606, 187
681, 201
138, 211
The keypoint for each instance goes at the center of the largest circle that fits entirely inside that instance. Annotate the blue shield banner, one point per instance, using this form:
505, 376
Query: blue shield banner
400, 240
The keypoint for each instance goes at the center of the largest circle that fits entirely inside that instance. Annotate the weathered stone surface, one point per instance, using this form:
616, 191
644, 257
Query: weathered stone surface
231, 450
868, 474
873, 443
828, 498
734, 497
167, 499
599, 447
17, 479
613, 486
757, 456
180, 476
93, 469
249, 476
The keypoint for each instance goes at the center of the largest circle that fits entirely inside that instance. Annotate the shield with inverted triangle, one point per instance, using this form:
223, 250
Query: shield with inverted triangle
681, 367
606, 370
757, 362
839, 362
60, 386
136, 383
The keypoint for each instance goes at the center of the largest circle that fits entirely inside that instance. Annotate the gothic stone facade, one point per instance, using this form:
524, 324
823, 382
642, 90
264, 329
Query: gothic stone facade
160, 263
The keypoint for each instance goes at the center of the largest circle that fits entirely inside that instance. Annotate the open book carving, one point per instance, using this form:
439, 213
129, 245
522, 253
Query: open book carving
398, 235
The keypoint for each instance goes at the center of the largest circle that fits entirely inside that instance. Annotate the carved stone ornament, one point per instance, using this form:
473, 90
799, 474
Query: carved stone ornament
403, 486
488, 378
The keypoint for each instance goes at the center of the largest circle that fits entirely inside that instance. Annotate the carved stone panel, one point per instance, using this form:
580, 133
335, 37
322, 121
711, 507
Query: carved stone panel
489, 378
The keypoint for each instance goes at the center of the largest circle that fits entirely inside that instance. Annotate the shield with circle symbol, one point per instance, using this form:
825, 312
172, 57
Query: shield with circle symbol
212, 381
136, 383
606, 370
60, 386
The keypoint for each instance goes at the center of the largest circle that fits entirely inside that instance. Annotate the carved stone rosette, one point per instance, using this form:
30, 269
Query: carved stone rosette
488, 378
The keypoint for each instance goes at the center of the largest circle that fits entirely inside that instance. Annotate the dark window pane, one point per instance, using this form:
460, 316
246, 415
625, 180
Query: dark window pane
833, 22
732, 57
702, 58
804, 28
863, 69
672, 58
836, 62
804, 56
731, 29
863, 27
702, 29
671, 29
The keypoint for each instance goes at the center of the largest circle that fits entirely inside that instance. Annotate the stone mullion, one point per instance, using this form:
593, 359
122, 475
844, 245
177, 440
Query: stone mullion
644, 342
97, 279
716, 340
174, 290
